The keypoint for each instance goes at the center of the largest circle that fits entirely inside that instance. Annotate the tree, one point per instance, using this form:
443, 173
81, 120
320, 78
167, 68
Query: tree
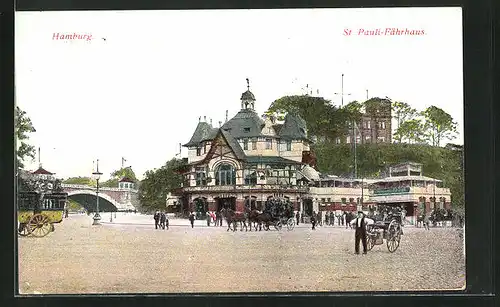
81, 180
438, 125
402, 113
24, 127
119, 174
156, 185
411, 130
322, 118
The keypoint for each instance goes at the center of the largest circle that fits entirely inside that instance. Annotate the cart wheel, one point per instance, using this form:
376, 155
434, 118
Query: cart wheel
290, 224
39, 225
278, 225
23, 230
393, 236
266, 226
370, 242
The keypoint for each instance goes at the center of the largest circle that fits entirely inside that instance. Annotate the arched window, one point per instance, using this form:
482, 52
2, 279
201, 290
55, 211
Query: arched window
225, 175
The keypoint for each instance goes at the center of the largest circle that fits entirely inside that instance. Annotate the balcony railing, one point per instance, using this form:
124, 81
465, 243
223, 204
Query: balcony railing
241, 188
391, 191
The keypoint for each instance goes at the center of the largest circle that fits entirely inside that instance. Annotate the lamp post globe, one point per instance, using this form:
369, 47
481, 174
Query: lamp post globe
97, 175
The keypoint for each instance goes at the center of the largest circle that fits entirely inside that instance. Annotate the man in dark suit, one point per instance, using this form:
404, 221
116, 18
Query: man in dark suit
359, 224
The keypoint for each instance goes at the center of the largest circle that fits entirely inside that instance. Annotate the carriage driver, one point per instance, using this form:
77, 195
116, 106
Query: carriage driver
360, 224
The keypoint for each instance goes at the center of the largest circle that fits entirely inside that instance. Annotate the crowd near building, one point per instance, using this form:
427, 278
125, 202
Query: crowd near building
248, 159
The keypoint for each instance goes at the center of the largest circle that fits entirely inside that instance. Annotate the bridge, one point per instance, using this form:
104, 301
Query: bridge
110, 199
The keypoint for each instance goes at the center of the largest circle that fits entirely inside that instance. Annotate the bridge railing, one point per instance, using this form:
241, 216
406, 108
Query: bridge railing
87, 187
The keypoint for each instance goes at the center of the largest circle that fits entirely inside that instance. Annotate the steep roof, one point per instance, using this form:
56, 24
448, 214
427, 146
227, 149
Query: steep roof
42, 171
293, 128
246, 123
247, 96
126, 179
202, 132
233, 144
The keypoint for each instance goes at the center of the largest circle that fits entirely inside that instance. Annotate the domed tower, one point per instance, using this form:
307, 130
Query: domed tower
248, 99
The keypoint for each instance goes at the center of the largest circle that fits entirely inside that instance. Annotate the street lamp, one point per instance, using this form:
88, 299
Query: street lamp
97, 175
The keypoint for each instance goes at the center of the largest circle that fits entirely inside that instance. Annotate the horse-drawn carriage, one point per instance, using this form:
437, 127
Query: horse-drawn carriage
40, 203
280, 212
37, 212
389, 229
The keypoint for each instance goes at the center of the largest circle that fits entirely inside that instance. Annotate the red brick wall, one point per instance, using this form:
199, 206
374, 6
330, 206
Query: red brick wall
240, 205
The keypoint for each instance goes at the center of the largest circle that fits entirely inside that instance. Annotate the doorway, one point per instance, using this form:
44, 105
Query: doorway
251, 202
308, 206
226, 202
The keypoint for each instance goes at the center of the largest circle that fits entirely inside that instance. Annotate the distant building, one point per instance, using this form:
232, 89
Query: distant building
407, 187
374, 127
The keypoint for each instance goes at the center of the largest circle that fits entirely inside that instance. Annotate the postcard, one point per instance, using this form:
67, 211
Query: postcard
240, 151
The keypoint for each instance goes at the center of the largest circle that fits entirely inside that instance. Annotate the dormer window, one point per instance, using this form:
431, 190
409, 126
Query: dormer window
198, 151
246, 130
245, 144
302, 130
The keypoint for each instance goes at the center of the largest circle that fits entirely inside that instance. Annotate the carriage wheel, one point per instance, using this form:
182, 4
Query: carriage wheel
394, 236
39, 225
290, 225
278, 225
370, 242
23, 230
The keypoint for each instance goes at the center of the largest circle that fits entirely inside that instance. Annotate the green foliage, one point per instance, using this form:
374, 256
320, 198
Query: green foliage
402, 112
411, 131
23, 127
156, 185
373, 160
117, 175
81, 180
323, 119
438, 125
74, 206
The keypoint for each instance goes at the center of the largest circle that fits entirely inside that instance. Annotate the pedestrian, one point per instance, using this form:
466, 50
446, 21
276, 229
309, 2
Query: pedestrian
332, 218
302, 217
157, 219
320, 218
426, 222
191, 219
327, 219
163, 219
359, 224
313, 220
344, 215
209, 218
297, 217
66, 212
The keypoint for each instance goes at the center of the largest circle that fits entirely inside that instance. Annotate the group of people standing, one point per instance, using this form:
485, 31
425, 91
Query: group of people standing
161, 220
330, 219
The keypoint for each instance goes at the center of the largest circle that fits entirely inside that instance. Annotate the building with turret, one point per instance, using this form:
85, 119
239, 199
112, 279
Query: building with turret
245, 161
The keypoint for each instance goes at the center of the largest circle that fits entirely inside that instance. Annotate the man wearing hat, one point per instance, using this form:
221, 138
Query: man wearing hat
359, 224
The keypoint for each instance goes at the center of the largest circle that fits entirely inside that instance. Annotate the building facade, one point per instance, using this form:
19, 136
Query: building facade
246, 161
249, 159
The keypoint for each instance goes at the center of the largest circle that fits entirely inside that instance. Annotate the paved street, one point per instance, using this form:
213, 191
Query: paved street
130, 256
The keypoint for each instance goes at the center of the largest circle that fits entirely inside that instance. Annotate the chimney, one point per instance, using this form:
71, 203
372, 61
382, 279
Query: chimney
199, 119
205, 119
210, 122
226, 115
220, 123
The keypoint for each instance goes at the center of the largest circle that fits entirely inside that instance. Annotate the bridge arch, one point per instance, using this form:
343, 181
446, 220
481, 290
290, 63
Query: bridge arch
87, 198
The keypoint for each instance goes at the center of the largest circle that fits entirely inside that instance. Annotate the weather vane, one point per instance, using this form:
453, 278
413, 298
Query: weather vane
248, 84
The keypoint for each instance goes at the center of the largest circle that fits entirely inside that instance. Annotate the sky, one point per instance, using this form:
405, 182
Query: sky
137, 88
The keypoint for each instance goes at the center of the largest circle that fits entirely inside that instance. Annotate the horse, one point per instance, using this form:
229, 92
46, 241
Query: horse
253, 218
233, 217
